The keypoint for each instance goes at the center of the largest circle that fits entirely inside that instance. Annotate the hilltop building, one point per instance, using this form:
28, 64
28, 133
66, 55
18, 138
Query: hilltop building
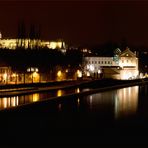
31, 43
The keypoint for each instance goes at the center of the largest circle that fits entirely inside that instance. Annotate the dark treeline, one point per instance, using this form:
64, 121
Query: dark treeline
44, 59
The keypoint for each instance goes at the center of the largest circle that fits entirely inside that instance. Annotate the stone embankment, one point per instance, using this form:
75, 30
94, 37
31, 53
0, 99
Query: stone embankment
93, 85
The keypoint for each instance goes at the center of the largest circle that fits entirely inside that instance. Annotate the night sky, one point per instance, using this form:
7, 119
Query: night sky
79, 22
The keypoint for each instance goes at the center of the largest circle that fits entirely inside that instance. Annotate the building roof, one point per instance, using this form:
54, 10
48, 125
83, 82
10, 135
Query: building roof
127, 53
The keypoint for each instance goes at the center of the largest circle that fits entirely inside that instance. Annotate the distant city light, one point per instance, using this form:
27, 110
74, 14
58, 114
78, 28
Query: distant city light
5, 76
59, 73
35, 97
99, 71
32, 69
91, 67
88, 74
59, 93
25, 43
79, 73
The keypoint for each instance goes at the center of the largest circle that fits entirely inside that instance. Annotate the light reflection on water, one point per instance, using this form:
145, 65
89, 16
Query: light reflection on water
60, 93
126, 101
123, 101
77, 90
7, 102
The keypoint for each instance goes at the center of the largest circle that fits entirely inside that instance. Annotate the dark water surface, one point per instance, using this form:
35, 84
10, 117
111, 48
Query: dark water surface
118, 117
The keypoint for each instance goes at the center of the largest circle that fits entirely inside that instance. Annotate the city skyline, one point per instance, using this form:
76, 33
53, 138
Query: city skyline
78, 22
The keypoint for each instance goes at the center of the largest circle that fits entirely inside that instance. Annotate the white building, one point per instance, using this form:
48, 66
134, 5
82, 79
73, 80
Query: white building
122, 66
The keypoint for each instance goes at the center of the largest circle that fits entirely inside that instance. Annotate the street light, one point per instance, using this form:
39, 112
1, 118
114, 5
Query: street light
59, 73
35, 76
91, 67
79, 73
5, 76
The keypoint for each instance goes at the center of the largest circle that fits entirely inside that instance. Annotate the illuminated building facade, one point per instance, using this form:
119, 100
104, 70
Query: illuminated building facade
31, 43
5, 73
124, 65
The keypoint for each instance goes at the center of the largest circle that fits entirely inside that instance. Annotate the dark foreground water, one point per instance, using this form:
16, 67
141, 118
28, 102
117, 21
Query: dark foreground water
118, 117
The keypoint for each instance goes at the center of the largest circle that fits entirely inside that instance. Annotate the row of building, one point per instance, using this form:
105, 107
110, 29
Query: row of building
30, 43
123, 65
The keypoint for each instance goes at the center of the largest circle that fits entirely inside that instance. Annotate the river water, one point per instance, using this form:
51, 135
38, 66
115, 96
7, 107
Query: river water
110, 117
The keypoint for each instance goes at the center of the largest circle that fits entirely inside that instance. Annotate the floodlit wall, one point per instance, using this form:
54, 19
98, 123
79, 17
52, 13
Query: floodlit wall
28, 43
123, 66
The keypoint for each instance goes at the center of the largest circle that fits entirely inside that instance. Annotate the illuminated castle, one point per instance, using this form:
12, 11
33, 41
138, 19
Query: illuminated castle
30, 43
124, 65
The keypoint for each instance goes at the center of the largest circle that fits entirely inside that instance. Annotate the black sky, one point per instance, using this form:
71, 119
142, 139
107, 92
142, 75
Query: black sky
79, 22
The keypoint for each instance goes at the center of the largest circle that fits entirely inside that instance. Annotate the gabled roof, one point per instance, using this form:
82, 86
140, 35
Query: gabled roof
127, 53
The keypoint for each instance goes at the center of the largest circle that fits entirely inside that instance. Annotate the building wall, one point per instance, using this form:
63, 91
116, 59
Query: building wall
13, 43
5, 73
124, 66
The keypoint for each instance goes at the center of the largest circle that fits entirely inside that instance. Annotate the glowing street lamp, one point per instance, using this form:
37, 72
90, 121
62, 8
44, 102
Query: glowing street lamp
99, 71
35, 76
79, 73
5, 76
59, 73
91, 67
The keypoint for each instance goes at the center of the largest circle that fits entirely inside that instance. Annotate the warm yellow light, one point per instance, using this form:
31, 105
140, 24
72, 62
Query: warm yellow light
59, 73
13, 43
79, 73
78, 101
78, 90
53, 45
127, 74
13, 101
99, 71
88, 74
35, 97
126, 101
59, 93
4, 102
14, 75
35, 74
5, 76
